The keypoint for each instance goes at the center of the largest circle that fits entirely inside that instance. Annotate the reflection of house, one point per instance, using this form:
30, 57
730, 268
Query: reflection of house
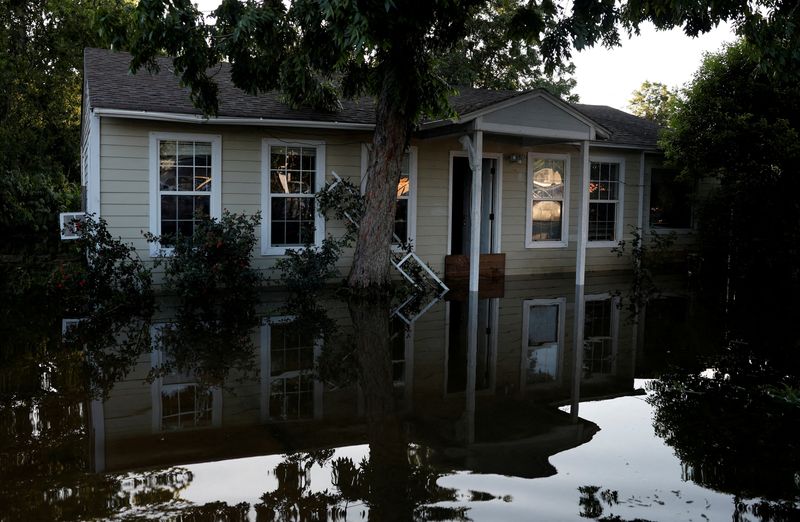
523, 363
555, 176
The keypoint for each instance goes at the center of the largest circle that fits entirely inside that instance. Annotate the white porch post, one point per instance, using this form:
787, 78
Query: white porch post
580, 278
474, 148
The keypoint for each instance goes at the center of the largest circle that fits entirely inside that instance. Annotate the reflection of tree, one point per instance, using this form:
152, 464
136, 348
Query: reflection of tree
397, 481
733, 434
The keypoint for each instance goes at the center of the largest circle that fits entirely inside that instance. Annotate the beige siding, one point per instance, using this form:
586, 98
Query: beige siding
125, 189
537, 112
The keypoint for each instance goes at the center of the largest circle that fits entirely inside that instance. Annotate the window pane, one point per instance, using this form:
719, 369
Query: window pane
548, 179
278, 182
309, 161
293, 158
542, 364
670, 200
546, 221
542, 325
185, 178
278, 233
278, 158
169, 207
401, 220
602, 221
202, 179
404, 186
202, 206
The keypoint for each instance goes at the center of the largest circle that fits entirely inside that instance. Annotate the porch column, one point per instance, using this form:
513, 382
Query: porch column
580, 278
474, 148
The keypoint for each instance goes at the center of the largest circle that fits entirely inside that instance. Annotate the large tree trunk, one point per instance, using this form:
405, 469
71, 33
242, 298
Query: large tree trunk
392, 132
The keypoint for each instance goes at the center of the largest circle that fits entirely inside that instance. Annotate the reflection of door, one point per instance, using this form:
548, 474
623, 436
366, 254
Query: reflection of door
457, 334
460, 217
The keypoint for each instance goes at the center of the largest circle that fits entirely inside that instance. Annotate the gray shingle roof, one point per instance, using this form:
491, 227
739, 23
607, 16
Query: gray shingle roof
111, 86
624, 128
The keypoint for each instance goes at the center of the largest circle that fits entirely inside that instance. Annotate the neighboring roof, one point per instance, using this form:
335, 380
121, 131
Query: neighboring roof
624, 128
111, 86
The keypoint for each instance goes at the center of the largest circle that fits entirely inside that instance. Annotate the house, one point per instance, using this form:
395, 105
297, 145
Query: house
561, 184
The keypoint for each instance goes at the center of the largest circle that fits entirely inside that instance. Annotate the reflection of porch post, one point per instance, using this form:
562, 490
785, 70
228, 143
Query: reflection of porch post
474, 148
580, 278
97, 414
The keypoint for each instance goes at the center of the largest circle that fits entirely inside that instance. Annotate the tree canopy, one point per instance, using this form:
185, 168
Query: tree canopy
741, 124
317, 52
654, 101
41, 68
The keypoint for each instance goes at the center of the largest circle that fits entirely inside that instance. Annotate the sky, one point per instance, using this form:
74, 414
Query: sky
609, 76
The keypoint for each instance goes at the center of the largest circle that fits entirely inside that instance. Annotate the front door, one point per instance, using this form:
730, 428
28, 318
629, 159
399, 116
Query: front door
460, 215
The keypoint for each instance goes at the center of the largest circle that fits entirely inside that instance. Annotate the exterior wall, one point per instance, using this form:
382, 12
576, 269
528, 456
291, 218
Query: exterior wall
433, 213
124, 189
124, 163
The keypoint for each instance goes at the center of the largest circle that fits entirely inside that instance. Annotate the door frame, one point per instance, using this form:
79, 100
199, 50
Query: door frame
497, 199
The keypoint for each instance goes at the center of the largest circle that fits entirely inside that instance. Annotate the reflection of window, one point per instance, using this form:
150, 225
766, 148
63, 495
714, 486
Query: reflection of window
184, 184
605, 201
547, 200
599, 335
543, 337
289, 354
405, 214
180, 402
670, 200
185, 405
293, 173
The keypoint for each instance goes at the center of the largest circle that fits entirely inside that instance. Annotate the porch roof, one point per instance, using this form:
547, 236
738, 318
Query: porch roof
114, 91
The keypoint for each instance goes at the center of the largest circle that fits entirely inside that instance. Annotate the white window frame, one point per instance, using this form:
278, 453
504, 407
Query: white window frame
265, 371
411, 232
529, 242
614, 330
215, 206
619, 214
561, 302
156, 387
266, 195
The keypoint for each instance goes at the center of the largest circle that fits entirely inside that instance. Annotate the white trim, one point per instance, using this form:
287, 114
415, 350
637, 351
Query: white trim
199, 119
215, 205
510, 102
93, 182
535, 132
413, 183
497, 198
266, 206
527, 304
530, 243
619, 214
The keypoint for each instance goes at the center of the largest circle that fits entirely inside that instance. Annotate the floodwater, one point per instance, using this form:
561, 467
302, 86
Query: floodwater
479, 407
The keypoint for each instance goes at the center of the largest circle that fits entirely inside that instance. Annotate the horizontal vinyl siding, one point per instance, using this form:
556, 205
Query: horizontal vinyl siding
125, 189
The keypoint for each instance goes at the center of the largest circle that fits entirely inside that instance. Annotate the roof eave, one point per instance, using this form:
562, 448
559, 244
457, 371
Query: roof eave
227, 120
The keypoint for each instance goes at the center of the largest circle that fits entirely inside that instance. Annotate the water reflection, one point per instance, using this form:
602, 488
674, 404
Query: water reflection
342, 409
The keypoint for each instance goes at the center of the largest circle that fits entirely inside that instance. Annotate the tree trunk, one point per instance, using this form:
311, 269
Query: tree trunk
392, 132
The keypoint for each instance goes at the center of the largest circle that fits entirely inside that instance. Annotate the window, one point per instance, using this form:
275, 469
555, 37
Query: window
292, 175
605, 201
670, 200
185, 181
548, 198
542, 340
288, 354
180, 402
599, 344
406, 211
